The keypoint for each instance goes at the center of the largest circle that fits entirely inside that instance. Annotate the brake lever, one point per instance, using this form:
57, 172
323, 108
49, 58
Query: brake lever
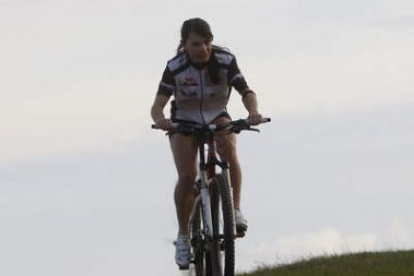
238, 129
253, 129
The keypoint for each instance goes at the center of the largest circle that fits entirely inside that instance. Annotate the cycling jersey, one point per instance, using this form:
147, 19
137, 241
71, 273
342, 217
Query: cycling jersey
196, 97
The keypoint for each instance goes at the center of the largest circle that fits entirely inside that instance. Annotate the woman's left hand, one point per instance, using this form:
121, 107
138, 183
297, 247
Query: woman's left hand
254, 118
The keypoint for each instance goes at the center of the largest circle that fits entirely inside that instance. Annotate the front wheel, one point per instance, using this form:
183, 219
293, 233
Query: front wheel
223, 248
201, 258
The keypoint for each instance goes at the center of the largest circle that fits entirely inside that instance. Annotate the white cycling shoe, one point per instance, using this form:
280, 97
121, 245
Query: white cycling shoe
182, 251
241, 222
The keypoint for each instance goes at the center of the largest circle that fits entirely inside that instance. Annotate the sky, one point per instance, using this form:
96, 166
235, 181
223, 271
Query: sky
86, 185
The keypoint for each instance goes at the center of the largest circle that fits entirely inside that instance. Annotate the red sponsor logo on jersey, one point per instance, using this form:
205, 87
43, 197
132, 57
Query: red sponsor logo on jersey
189, 81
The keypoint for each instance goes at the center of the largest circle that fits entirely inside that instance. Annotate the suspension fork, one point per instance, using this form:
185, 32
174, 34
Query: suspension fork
205, 174
212, 158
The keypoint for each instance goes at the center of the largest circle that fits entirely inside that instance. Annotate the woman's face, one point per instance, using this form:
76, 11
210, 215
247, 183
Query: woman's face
198, 48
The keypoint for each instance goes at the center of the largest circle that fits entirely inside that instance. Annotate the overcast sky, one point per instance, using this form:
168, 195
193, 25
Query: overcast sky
86, 187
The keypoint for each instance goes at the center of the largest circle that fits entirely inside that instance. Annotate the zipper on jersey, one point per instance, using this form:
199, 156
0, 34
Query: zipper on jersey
202, 96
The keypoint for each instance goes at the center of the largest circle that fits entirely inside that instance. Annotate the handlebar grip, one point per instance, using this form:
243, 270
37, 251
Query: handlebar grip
154, 126
266, 120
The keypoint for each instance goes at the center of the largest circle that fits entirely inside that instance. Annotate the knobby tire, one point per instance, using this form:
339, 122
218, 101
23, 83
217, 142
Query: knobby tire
223, 249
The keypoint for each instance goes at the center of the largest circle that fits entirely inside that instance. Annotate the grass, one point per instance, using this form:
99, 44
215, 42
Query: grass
395, 263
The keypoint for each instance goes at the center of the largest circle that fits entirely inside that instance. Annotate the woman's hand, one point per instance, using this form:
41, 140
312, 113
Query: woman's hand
164, 124
254, 118
250, 102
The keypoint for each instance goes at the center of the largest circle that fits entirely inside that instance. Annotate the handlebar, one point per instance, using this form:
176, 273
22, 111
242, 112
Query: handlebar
233, 126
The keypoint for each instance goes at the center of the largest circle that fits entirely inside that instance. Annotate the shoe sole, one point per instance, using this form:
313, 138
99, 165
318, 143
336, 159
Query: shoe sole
241, 231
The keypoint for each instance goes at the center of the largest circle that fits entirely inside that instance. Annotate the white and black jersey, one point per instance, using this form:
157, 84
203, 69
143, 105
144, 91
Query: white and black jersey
197, 98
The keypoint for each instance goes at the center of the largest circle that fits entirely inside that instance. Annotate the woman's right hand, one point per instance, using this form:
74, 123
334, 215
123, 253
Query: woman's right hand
164, 124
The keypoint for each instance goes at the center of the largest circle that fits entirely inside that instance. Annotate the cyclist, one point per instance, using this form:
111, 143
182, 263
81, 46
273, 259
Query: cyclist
200, 78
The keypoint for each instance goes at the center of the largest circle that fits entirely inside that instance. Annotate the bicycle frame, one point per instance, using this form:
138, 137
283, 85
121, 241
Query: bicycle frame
212, 220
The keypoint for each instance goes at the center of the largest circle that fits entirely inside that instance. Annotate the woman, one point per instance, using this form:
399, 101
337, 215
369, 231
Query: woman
200, 78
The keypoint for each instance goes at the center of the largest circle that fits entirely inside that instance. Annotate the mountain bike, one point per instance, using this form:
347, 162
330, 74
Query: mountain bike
212, 222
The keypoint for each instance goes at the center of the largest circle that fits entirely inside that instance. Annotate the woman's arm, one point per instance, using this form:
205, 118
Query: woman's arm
157, 112
251, 105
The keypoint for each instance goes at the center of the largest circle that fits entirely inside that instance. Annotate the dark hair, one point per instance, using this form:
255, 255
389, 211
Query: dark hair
202, 28
194, 25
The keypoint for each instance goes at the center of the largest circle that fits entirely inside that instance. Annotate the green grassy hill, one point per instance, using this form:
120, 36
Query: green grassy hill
396, 263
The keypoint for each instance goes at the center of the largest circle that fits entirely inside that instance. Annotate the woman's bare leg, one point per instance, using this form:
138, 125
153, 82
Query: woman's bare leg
185, 153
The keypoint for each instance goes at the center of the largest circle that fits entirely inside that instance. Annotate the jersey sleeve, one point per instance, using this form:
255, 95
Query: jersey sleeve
236, 78
167, 84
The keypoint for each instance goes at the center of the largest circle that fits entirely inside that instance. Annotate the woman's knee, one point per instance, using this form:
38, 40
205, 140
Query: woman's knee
226, 148
185, 154
187, 177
